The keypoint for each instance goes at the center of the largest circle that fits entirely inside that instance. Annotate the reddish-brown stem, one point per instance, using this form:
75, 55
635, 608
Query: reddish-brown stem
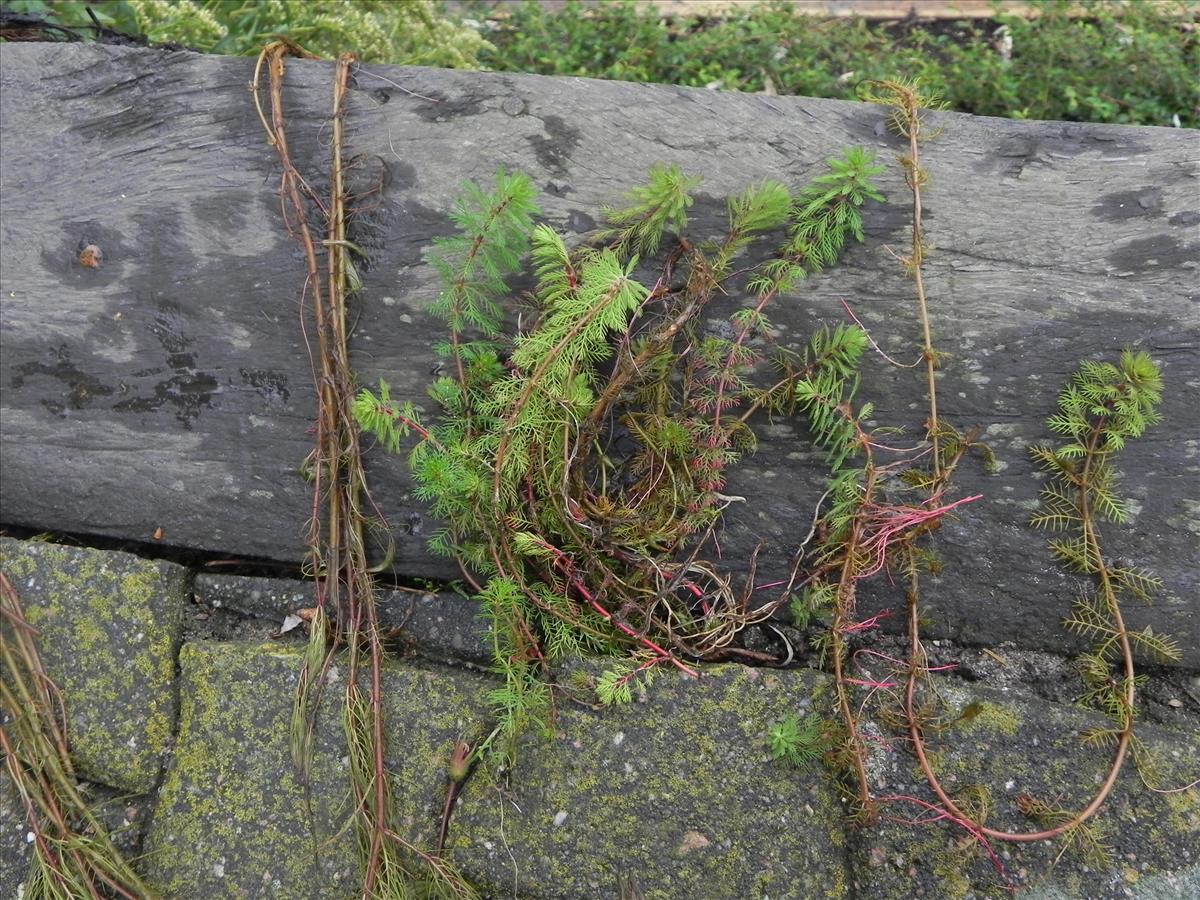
938, 814
1092, 548
534, 382
380, 779
661, 653
452, 791
842, 614
731, 357
412, 424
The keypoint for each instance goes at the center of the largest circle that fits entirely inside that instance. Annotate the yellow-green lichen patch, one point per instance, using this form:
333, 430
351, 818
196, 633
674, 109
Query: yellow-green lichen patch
986, 716
1184, 806
109, 625
231, 817
426, 712
675, 790
235, 820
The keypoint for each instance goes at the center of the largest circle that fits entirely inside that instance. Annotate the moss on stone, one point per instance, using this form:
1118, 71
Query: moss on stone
675, 790
982, 715
109, 625
235, 820
1184, 806
231, 818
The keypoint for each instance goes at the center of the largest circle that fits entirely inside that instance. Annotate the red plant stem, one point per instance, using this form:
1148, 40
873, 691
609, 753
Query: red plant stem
49, 705
901, 519
908, 102
460, 768
730, 359
914, 728
625, 679
966, 824
868, 623
45, 849
640, 638
565, 564
273, 56
628, 630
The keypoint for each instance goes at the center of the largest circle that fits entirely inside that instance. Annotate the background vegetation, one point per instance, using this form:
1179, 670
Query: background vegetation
1085, 61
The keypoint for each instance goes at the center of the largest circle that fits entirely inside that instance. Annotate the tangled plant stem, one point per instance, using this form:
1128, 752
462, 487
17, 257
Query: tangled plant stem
1105, 407
579, 547
346, 615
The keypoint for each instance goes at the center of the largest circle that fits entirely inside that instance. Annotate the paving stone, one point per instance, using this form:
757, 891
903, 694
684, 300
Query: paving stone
14, 848
232, 818
674, 792
262, 598
120, 814
109, 625
1013, 745
442, 626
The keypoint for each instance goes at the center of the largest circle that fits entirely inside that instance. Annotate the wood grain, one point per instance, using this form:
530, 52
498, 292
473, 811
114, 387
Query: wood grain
171, 387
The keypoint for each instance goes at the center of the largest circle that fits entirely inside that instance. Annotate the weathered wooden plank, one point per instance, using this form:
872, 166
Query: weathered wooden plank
172, 387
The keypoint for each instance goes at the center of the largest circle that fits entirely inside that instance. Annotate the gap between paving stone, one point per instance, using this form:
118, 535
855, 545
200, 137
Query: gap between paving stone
451, 629
440, 626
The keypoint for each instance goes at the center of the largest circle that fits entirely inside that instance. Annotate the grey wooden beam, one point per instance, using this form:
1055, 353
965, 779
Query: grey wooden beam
171, 388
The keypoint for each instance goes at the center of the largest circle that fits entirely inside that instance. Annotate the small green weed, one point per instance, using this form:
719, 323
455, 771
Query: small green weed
800, 742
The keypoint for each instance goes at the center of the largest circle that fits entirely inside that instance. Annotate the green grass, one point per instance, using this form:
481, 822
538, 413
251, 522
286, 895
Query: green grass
1139, 67
1135, 65
412, 32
